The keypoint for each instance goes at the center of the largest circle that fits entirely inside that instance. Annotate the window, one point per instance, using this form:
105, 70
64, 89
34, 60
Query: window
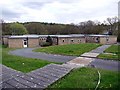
63, 40
97, 38
107, 39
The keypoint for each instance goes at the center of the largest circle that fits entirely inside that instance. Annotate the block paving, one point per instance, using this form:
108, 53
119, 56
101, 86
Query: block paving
40, 78
43, 77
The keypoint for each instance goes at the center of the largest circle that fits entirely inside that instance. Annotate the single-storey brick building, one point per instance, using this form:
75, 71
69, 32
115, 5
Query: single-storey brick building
102, 39
23, 41
37, 40
70, 39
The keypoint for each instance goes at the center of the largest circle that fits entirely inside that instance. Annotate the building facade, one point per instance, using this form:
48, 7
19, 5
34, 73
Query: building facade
102, 39
37, 40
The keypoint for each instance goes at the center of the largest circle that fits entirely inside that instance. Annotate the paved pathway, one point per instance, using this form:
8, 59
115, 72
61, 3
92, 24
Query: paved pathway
106, 64
89, 58
43, 77
40, 78
83, 60
96, 52
27, 52
100, 49
98, 63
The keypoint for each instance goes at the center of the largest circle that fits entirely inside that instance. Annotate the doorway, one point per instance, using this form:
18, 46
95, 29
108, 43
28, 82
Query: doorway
25, 43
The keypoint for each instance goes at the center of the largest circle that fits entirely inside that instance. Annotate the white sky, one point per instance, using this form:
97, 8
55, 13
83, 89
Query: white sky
58, 11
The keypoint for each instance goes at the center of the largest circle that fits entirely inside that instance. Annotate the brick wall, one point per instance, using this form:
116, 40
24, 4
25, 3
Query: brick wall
92, 39
33, 42
108, 40
15, 43
71, 40
55, 40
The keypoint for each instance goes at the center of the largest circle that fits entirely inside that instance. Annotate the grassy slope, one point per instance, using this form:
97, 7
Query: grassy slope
21, 63
113, 49
71, 49
87, 78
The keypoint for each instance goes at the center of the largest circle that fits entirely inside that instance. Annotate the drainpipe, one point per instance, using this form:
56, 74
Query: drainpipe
27, 41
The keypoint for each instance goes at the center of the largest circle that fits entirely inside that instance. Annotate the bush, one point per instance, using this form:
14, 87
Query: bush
44, 44
49, 40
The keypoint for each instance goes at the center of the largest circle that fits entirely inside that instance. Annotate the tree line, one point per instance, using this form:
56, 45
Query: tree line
110, 26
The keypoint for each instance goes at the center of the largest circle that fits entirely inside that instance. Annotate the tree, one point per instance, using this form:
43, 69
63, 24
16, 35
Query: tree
17, 29
49, 40
112, 25
5, 28
36, 28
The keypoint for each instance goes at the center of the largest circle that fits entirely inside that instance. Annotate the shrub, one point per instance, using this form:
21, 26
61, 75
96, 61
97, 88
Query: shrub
44, 44
49, 40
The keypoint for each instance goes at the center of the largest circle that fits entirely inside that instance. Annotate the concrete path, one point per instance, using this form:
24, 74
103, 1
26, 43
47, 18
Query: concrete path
83, 60
78, 62
40, 78
106, 64
96, 52
100, 49
27, 52
98, 63
89, 58
43, 77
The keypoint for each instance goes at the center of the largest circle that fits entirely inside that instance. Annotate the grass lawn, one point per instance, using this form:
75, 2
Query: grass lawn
71, 49
21, 63
88, 78
114, 49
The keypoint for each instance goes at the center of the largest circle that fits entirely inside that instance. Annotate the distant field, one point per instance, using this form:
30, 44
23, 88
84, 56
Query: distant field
21, 63
114, 50
70, 49
87, 78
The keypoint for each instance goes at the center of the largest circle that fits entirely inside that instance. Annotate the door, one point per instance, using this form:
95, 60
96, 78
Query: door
71, 41
25, 44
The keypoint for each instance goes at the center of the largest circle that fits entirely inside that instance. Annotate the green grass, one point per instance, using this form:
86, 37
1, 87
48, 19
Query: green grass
114, 49
88, 78
21, 63
71, 49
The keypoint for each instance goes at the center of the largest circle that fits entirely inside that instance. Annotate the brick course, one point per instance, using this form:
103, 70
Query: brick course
33, 42
15, 43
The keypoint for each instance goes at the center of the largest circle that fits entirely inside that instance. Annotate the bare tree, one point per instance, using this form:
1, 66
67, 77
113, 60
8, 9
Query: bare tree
112, 22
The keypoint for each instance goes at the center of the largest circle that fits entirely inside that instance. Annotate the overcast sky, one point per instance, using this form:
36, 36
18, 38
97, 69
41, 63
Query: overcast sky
58, 11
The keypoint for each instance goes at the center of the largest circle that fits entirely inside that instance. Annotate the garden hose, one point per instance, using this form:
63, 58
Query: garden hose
99, 75
98, 80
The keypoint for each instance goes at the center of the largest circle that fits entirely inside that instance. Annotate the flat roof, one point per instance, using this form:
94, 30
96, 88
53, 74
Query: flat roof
25, 36
70, 35
97, 35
